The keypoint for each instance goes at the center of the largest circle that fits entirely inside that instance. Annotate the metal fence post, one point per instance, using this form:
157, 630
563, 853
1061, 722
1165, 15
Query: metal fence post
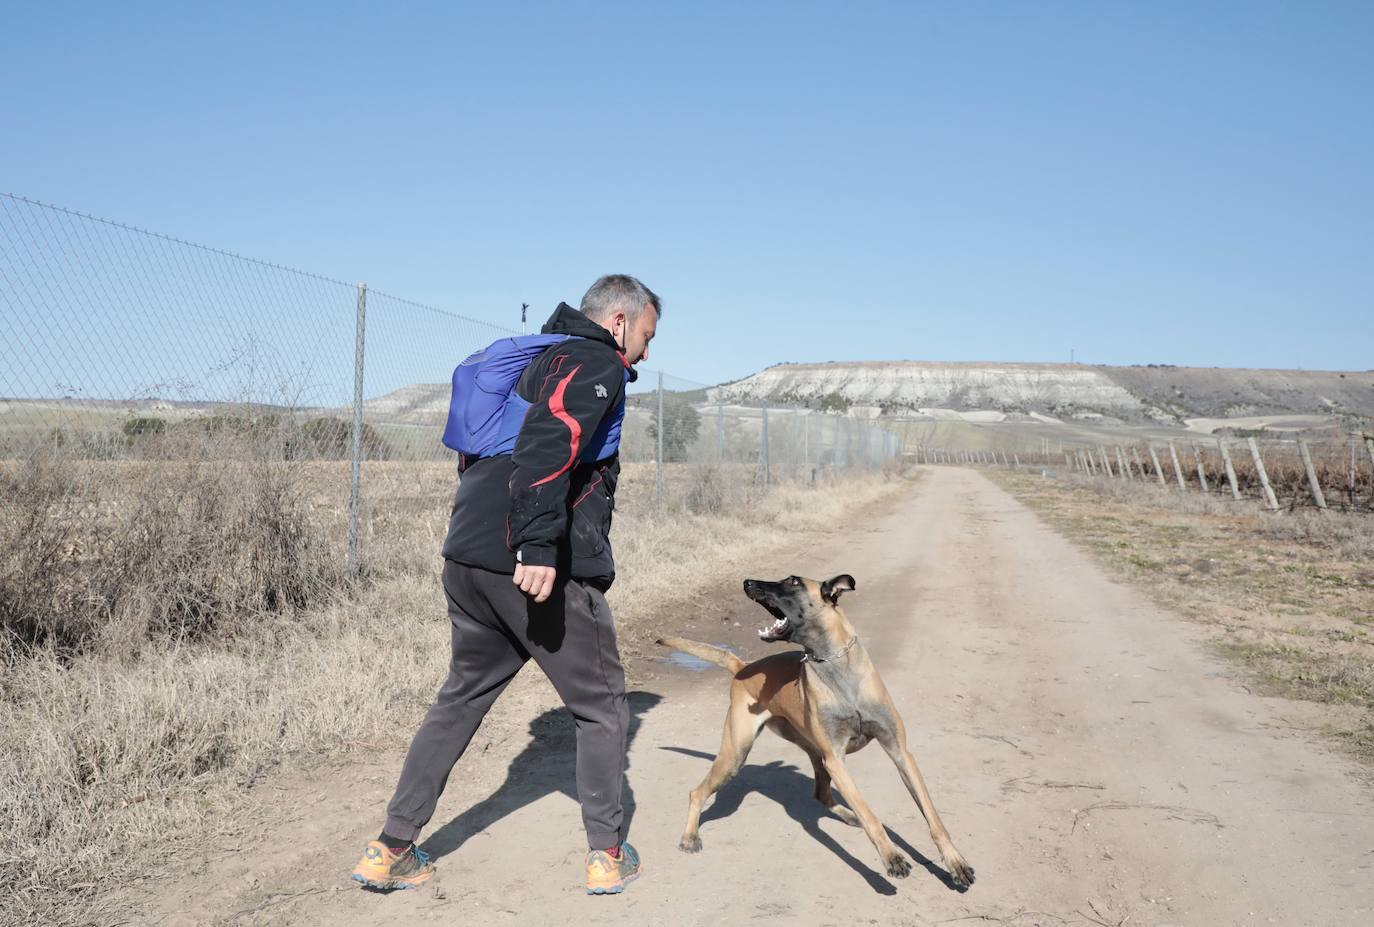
658, 453
763, 446
357, 476
806, 443
720, 432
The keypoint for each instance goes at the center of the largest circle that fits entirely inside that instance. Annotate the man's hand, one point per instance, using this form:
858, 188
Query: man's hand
535, 581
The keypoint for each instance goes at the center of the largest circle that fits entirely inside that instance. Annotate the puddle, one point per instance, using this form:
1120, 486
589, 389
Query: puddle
687, 661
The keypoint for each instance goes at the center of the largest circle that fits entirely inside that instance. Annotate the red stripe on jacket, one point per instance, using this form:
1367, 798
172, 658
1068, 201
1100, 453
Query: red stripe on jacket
560, 412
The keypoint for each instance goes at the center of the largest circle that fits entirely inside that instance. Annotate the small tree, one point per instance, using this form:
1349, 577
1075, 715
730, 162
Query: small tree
332, 439
834, 402
682, 424
144, 425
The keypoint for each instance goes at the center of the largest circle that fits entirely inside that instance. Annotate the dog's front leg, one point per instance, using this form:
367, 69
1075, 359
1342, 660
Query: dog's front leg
958, 867
742, 725
896, 863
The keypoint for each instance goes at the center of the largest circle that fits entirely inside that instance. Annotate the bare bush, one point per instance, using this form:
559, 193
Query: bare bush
105, 556
718, 490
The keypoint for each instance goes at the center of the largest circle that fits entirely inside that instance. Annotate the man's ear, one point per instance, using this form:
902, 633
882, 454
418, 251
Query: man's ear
831, 588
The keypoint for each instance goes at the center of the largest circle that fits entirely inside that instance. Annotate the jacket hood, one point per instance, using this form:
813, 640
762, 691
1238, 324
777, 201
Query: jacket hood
568, 321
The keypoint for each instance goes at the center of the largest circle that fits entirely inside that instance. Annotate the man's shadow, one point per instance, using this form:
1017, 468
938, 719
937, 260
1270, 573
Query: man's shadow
548, 764
794, 791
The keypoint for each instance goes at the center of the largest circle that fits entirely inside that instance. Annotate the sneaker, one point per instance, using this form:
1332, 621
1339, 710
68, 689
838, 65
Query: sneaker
384, 869
607, 875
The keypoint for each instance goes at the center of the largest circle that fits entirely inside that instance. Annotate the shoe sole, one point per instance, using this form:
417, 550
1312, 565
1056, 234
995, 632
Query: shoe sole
613, 889
388, 885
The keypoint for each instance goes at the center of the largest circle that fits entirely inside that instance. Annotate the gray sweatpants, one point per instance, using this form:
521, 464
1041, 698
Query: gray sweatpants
495, 629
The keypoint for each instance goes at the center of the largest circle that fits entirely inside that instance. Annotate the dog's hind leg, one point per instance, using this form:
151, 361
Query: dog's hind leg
743, 721
826, 797
894, 742
823, 793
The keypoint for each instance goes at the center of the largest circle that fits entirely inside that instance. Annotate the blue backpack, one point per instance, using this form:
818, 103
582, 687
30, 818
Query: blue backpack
485, 412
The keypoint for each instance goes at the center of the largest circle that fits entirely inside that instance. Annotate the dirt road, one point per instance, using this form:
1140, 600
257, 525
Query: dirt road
1089, 759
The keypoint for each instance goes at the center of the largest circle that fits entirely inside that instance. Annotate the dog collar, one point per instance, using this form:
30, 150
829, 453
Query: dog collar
808, 655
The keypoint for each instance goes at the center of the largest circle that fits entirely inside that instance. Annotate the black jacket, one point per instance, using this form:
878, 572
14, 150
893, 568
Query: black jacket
541, 501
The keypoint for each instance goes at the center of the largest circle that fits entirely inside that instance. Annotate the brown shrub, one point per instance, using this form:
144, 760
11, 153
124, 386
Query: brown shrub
106, 555
719, 490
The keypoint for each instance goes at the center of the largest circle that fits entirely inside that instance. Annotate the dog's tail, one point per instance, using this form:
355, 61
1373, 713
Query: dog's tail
717, 655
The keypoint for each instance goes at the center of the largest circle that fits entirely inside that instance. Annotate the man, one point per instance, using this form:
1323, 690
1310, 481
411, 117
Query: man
527, 561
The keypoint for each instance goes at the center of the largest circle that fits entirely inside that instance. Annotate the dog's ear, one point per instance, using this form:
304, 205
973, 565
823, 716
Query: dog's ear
831, 588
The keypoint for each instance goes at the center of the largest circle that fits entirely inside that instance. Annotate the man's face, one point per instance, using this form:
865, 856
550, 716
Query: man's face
638, 334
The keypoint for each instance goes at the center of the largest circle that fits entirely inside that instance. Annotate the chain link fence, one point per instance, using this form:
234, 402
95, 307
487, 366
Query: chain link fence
120, 344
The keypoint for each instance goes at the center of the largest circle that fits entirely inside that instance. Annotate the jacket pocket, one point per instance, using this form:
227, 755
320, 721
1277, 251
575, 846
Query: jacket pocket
591, 520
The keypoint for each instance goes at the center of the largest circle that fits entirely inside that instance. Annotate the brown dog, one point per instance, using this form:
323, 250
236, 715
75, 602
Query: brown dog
826, 699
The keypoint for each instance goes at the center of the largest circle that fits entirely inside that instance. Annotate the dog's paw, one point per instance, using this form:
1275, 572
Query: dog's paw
690, 844
898, 867
960, 871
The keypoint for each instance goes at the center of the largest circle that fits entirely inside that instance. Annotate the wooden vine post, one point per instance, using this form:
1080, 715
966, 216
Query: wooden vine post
1269, 497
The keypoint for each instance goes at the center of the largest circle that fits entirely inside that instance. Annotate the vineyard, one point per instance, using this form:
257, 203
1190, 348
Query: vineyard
1281, 475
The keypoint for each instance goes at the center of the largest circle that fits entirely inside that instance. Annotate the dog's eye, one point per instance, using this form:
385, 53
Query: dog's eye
793, 581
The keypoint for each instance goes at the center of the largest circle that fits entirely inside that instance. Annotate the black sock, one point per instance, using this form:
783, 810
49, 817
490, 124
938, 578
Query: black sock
395, 844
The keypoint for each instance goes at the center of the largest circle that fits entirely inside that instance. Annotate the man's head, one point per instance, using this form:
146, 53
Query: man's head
627, 309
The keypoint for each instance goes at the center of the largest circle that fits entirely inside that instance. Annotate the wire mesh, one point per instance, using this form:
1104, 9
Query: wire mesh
113, 334
121, 343
411, 352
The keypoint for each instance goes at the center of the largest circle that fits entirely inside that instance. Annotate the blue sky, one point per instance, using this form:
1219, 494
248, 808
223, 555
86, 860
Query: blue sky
1143, 183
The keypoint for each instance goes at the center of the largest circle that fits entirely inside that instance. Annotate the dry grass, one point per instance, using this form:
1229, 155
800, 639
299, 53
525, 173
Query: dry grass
112, 757
1289, 594
105, 557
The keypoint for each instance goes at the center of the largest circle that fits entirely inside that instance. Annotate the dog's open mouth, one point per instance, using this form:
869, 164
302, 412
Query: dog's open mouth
778, 629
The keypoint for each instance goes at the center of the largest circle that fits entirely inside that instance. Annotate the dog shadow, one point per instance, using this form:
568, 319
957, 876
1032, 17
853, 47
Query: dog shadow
794, 791
548, 764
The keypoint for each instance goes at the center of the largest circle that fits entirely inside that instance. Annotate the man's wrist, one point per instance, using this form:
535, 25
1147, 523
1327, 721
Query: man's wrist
536, 556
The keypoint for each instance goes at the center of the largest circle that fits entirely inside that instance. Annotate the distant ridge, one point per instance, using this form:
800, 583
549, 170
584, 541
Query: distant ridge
1160, 394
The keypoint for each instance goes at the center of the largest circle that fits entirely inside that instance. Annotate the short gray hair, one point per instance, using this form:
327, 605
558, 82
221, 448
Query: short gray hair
619, 292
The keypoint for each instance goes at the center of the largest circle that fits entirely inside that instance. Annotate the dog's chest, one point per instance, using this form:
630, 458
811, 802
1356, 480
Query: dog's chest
851, 722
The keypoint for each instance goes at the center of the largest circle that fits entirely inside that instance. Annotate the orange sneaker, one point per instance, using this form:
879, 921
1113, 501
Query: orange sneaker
607, 875
384, 869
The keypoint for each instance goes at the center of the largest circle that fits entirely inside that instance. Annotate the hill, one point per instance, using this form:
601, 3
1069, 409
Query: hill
1163, 394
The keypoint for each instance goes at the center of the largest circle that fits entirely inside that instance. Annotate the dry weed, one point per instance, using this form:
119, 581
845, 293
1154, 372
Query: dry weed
106, 556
